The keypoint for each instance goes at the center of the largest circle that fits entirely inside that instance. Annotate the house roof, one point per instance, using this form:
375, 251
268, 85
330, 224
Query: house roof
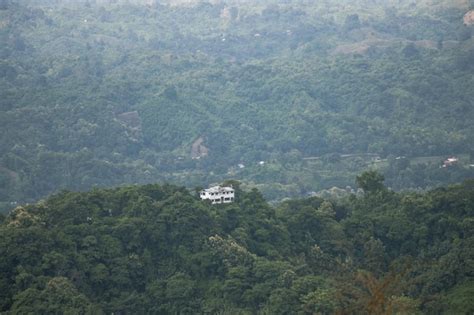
218, 189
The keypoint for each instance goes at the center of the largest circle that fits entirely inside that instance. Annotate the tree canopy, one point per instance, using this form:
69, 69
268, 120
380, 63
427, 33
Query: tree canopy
160, 249
101, 93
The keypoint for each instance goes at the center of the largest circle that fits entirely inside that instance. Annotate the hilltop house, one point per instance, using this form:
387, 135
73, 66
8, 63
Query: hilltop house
218, 194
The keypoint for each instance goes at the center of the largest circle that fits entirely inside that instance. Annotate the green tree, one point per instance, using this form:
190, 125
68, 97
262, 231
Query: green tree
371, 182
59, 296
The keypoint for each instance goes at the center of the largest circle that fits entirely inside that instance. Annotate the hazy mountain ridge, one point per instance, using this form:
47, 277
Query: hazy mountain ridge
449, 3
255, 85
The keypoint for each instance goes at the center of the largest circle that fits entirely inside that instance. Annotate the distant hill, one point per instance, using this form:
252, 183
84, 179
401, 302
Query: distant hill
99, 95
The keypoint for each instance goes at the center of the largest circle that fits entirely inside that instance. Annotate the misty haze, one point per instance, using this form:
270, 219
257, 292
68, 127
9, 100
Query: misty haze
236, 157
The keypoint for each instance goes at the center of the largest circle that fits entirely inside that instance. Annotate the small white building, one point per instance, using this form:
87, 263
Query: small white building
450, 161
218, 194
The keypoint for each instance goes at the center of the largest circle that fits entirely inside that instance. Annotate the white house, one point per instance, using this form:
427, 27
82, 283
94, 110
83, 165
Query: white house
450, 161
218, 194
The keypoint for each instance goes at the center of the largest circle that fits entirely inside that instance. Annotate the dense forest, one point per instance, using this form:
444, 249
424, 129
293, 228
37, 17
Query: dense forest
290, 97
344, 126
160, 249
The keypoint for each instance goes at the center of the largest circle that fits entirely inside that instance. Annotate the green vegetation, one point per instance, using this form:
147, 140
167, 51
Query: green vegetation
288, 98
159, 249
100, 95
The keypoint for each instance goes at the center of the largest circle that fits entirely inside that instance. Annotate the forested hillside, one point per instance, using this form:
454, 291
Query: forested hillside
289, 97
159, 249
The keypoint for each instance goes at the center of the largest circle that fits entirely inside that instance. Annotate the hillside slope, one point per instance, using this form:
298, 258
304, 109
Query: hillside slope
105, 95
159, 249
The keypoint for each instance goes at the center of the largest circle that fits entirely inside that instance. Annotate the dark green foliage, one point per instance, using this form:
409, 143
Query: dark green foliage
370, 182
159, 249
58, 297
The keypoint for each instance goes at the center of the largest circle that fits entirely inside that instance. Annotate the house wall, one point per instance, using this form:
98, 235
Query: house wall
218, 197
